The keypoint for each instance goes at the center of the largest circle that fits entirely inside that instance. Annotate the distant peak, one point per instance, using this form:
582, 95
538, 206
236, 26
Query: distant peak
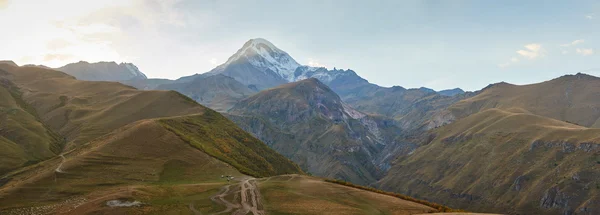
261, 41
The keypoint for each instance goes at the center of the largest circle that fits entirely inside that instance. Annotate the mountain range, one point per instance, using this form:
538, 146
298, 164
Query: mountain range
511, 149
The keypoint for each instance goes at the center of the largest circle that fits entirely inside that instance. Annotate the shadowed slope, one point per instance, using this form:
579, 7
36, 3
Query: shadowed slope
308, 123
218, 92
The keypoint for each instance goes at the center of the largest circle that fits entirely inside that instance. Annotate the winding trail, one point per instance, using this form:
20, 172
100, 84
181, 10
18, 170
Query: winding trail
194, 210
249, 197
220, 199
58, 169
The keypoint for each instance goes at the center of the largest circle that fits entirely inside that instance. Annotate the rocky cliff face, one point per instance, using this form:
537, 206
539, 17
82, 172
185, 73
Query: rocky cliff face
307, 122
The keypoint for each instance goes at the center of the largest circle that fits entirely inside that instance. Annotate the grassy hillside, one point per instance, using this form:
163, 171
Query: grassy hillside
504, 161
294, 194
23, 139
217, 136
141, 154
82, 111
571, 98
162, 152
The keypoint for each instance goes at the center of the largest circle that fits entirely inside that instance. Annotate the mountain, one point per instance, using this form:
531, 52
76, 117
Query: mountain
307, 122
24, 140
218, 92
155, 152
451, 92
529, 149
414, 109
259, 63
571, 98
507, 161
103, 71
81, 111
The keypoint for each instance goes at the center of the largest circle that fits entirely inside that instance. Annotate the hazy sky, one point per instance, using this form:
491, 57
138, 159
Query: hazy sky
437, 44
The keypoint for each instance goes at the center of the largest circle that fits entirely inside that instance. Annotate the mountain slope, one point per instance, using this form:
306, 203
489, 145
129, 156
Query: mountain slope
504, 161
23, 138
146, 155
103, 71
308, 123
81, 110
414, 109
218, 92
571, 98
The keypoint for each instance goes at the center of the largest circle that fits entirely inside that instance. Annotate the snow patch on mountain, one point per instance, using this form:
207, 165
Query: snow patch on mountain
321, 73
265, 56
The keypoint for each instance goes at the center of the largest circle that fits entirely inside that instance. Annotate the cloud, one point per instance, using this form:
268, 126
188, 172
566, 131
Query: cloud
532, 51
574, 43
590, 16
213, 61
314, 63
585, 52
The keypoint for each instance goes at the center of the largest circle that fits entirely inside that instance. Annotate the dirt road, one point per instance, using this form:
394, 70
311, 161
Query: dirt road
249, 198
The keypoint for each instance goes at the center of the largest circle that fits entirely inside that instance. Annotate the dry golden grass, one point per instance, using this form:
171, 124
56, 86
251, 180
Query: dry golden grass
502, 161
296, 194
138, 154
82, 111
572, 98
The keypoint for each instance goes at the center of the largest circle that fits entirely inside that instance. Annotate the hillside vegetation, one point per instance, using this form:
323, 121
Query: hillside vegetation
504, 161
217, 136
23, 138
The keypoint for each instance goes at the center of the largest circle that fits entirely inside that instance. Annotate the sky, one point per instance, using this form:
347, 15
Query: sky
436, 44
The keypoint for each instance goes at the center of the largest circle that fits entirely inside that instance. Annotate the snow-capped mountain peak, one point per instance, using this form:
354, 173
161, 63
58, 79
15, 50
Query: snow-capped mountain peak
264, 55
